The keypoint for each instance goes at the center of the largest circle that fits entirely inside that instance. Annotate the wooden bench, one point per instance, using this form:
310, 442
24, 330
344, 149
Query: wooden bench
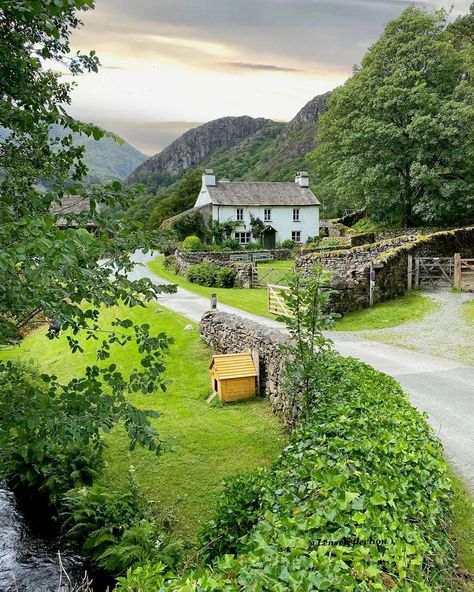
263, 256
243, 257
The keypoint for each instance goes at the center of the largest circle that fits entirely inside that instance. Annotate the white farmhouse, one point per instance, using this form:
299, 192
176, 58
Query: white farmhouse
288, 210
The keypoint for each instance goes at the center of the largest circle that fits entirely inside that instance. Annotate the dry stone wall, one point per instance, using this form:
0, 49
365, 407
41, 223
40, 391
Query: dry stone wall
351, 267
226, 333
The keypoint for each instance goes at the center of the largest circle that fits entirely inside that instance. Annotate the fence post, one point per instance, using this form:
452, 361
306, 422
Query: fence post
371, 284
457, 272
410, 272
417, 274
213, 301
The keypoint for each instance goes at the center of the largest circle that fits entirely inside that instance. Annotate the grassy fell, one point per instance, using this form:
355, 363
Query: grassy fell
203, 444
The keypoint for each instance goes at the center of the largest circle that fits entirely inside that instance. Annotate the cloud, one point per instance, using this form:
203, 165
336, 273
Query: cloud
300, 32
259, 67
195, 60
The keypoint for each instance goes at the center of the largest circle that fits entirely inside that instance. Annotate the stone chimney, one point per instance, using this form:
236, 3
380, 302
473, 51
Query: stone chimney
302, 179
209, 179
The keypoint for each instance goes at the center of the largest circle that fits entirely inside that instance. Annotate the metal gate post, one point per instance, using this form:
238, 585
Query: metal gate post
410, 271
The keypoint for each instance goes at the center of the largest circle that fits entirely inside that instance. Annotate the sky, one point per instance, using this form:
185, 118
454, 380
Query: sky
168, 65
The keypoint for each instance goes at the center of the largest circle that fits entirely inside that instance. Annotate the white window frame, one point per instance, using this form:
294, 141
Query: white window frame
242, 237
296, 236
267, 215
239, 214
296, 214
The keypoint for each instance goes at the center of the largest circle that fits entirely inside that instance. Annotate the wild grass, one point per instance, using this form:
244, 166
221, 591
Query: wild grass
413, 306
468, 312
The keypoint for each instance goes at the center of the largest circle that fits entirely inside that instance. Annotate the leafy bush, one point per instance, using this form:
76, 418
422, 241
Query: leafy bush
211, 275
231, 244
358, 501
225, 277
203, 274
148, 577
35, 452
117, 529
288, 244
192, 243
253, 247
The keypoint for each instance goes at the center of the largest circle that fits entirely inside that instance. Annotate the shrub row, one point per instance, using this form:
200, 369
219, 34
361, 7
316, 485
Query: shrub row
358, 501
211, 275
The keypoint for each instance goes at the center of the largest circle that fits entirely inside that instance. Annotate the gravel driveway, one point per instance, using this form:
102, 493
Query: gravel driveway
443, 333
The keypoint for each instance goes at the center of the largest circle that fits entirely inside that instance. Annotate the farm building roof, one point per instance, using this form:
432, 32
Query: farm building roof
233, 365
250, 193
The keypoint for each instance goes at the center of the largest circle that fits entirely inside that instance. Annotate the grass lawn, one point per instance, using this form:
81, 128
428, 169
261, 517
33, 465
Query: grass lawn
203, 443
410, 307
251, 300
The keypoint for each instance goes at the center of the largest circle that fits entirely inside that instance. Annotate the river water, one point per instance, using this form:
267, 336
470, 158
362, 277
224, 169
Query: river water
28, 561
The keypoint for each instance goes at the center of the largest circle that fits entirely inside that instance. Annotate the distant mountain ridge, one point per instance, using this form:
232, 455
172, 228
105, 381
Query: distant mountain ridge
238, 148
106, 159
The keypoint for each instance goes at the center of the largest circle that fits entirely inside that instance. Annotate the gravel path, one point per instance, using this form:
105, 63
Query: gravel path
443, 333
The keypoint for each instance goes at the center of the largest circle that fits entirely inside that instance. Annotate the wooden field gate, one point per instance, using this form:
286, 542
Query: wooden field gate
454, 271
276, 301
463, 273
262, 276
430, 270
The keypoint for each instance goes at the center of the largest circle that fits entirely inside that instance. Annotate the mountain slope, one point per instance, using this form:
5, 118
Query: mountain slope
193, 148
105, 158
238, 148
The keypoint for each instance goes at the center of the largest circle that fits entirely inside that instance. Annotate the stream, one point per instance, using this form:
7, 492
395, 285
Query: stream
28, 559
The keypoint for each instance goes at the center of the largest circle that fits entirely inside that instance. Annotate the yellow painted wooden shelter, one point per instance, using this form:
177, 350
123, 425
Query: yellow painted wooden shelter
234, 376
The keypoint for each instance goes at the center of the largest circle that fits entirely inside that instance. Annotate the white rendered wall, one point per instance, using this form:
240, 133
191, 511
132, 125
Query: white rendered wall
203, 197
281, 219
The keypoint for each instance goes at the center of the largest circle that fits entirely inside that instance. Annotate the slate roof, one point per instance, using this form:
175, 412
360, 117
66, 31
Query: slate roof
249, 193
70, 205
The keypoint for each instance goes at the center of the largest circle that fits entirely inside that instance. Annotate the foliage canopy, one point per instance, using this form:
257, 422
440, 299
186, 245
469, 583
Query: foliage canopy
61, 275
398, 136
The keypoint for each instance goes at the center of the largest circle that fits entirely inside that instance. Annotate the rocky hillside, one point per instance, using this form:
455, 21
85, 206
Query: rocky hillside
238, 148
194, 148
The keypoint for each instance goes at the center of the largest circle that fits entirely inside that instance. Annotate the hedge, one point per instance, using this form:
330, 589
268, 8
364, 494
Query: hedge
211, 275
359, 500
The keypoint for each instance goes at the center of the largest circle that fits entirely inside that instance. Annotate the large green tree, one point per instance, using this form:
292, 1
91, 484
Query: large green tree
60, 276
398, 135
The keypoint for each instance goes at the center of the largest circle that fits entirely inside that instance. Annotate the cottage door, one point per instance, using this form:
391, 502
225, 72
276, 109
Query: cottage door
269, 238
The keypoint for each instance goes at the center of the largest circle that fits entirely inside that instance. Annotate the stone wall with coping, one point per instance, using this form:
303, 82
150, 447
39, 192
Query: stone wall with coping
351, 267
226, 334
198, 256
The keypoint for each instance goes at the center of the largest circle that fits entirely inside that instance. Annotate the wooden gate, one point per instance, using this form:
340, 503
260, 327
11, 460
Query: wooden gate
430, 270
265, 275
463, 273
276, 301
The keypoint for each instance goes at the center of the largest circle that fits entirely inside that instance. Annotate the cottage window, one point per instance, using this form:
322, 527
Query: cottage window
239, 214
242, 237
267, 215
296, 236
296, 214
